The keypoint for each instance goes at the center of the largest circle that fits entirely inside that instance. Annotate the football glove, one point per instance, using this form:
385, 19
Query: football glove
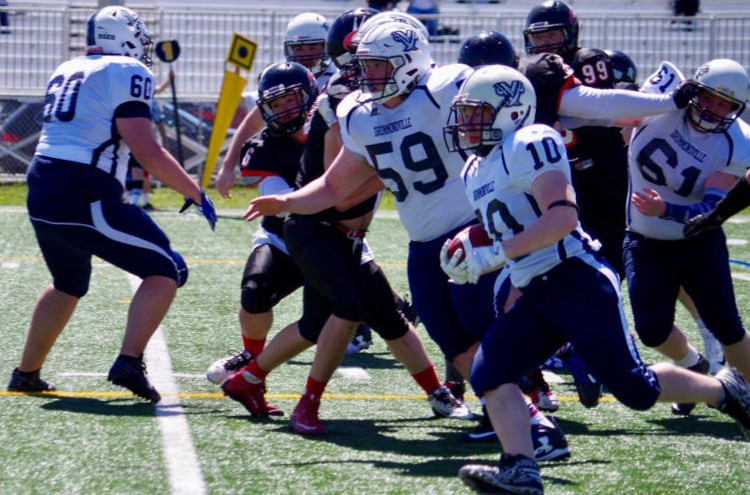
685, 92
206, 207
454, 267
701, 223
484, 259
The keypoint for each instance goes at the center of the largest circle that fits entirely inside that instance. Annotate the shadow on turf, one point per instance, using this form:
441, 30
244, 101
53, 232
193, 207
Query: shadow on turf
367, 360
110, 407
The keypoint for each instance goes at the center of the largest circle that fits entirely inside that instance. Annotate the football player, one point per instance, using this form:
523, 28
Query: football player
286, 94
519, 182
97, 111
681, 164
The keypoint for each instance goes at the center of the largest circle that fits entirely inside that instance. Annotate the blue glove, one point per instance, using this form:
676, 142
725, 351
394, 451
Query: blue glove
206, 207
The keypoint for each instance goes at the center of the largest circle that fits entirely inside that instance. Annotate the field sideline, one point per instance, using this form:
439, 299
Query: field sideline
93, 438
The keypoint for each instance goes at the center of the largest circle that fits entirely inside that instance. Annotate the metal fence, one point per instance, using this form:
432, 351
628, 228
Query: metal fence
42, 38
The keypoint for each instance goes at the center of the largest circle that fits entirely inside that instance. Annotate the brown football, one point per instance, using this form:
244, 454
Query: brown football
471, 237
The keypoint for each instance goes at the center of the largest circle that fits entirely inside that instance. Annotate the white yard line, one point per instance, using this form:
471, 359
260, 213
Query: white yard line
183, 468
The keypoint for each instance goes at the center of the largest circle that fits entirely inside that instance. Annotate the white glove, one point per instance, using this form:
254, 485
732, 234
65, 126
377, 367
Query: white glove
485, 259
454, 266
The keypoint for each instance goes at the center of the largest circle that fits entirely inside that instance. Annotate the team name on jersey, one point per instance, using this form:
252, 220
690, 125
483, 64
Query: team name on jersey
483, 190
687, 147
391, 127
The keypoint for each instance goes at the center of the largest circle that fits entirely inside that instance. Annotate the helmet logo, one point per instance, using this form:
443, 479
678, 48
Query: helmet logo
702, 71
510, 93
406, 38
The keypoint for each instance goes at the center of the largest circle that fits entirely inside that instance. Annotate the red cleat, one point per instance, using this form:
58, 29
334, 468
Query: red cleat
305, 417
250, 395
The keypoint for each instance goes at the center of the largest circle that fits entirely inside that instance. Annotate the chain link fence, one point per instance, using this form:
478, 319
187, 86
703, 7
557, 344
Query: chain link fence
43, 37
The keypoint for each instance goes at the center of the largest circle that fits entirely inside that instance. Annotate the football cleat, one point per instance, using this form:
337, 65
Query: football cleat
550, 444
225, 367
457, 388
483, 432
130, 372
714, 350
536, 387
362, 339
28, 382
515, 474
588, 387
736, 402
685, 408
250, 395
445, 405
305, 417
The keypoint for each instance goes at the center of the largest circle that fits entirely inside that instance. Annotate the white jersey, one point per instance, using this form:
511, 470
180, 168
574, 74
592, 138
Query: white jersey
84, 96
405, 144
499, 187
668, 155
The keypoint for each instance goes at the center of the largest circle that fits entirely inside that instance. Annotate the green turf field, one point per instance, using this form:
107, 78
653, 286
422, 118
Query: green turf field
93, 438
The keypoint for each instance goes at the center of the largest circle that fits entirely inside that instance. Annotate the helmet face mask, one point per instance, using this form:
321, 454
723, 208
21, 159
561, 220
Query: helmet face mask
305, 42
393, 57
118, 31
722, 95
492, 103
286, 93
549, 16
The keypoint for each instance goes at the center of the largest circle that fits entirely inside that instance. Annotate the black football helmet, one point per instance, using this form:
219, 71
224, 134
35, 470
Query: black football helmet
552, 14
340, 46
280, 80
486, 48
623, 67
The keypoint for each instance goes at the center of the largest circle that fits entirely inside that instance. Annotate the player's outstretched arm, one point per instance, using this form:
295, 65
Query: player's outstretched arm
251, 124
136, 132
345, 176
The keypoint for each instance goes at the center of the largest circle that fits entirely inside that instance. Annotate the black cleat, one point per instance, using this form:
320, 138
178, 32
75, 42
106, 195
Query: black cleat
21, 381
130, 372
515, 474
736, 401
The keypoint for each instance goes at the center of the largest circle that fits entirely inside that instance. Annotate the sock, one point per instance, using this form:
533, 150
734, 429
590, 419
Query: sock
253, 346
691, 359
144, 198
536, 416
427, 379
313, 388
254, 373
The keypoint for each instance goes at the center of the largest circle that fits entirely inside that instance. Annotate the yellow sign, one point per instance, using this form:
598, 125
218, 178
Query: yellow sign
242, 52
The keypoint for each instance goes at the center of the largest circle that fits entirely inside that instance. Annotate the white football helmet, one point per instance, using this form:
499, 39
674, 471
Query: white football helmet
492, 103
306, 29
407, 54
386, 17
118, 30
724, 78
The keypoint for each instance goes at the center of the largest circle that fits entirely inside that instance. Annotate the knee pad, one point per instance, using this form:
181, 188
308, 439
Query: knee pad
254, 299
181, 269
639, 390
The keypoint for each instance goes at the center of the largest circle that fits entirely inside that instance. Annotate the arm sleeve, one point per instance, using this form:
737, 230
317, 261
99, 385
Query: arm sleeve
683, 213
591, 103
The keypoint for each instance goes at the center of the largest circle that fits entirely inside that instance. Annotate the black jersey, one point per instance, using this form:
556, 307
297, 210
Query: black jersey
312, 159
268, 155
598, 156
